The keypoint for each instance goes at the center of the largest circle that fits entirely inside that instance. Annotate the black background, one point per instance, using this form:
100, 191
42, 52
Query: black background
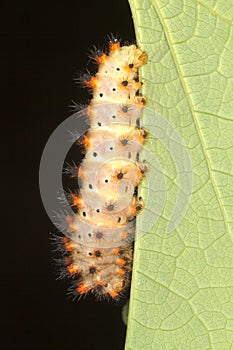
42, 45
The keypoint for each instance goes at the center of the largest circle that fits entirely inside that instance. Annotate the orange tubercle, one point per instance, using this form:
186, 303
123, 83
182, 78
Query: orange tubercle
99, 286
140, 175
129, 67
65, 240
99, 283
81, 172
121, 262
82, 289
101, 59
89, 111
136, 208
86, 141
141, 139
138, 84
71, 224
91, 83
69, 247
67, 260
116, 251
133, 209
77, 201
121, 272
141, 101
143, 58
72, 269
113, 294
114, 46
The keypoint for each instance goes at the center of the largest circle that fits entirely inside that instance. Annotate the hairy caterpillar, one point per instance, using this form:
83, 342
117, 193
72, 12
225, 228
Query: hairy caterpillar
98, 249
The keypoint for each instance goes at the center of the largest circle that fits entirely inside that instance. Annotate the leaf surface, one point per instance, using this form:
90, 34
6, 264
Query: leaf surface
182, 285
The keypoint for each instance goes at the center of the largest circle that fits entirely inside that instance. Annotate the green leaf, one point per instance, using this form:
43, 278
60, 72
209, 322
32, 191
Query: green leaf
182, 285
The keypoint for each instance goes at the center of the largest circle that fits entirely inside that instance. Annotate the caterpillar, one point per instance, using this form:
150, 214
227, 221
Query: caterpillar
98, 251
